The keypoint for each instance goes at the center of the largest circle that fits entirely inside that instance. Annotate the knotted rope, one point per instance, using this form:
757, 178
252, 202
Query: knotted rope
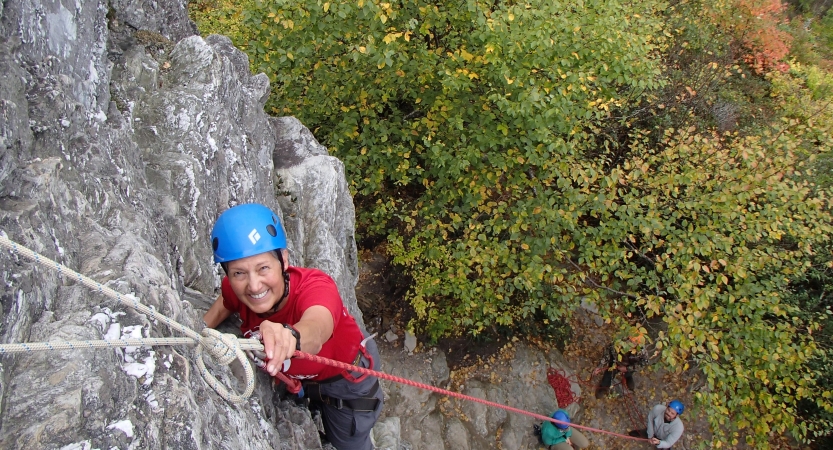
224, 348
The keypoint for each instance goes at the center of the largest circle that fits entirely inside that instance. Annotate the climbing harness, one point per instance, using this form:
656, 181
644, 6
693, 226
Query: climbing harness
224, 347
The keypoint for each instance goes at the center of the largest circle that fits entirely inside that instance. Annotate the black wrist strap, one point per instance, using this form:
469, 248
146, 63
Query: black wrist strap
294, 333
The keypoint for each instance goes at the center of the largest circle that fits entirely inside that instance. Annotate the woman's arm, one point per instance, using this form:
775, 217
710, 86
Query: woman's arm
216, 314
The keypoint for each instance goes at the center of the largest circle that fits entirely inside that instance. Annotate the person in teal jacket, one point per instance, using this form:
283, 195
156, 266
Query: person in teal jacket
561, 436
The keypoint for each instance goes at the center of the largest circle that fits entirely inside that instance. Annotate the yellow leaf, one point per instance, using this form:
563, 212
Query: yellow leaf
327, 6
524, 246
384, 19
508, 80
511, 17
289, 55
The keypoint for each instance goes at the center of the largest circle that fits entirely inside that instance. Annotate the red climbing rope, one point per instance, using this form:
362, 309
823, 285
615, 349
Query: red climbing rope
384, 376
561, 385
637, 419
560, 382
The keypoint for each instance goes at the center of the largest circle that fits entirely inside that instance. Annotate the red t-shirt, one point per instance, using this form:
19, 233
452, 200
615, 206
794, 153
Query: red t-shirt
307, 287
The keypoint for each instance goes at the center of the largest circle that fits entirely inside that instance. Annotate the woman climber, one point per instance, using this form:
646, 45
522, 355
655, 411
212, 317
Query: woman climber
306, 314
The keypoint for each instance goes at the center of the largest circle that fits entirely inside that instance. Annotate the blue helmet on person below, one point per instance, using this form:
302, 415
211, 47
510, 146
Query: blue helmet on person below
677, 405
246, 230
563, 417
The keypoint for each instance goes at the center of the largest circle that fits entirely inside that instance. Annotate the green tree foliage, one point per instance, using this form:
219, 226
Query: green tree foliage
707, 233
806, 94
521, 157
805, 100
456, 125
222, 17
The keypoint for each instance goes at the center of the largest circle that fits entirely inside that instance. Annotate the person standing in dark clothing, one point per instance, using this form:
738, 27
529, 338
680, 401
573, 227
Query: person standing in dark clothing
619, 362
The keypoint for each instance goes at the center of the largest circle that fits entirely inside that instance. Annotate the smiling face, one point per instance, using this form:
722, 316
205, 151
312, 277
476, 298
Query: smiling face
257, 281
670, 413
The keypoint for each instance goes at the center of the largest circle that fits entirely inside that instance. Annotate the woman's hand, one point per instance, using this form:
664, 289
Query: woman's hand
279, 345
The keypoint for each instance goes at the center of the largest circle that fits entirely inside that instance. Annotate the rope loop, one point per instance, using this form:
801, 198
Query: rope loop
224, 348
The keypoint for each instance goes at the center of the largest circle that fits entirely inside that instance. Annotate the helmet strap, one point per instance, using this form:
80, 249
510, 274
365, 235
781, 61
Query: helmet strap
285, 286
285, 278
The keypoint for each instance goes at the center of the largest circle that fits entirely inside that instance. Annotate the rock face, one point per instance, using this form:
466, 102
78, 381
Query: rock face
433, 422
123, 135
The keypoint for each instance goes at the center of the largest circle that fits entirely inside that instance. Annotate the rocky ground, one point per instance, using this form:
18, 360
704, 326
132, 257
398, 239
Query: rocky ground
379, 299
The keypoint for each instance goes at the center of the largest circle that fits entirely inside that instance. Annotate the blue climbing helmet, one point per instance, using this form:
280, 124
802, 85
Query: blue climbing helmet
563, 417
246, 230
677, 405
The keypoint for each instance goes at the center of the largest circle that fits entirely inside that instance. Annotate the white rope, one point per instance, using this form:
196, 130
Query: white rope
75, 345
225, 348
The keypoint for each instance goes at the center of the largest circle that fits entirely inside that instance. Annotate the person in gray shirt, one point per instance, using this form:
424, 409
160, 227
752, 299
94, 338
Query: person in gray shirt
664, 425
